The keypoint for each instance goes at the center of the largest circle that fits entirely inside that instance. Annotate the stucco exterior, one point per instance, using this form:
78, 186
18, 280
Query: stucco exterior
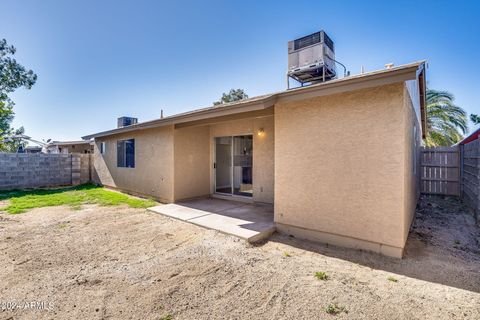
175, 163
412, 147
263, 147
343, 168
339, 161
192, 162
153, 172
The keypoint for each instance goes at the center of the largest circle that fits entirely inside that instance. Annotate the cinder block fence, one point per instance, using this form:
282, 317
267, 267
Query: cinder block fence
23, 171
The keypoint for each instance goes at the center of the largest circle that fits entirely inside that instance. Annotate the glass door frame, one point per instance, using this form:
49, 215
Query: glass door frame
232, 193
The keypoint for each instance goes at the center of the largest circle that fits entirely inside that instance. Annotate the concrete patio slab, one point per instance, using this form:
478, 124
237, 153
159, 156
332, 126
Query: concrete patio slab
178, 212
251, 222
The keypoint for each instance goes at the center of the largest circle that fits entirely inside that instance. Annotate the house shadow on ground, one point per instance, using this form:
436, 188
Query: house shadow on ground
443, 247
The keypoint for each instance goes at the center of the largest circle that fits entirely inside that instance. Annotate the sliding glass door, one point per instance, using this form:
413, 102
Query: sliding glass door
223, 165
242, 165
233, 165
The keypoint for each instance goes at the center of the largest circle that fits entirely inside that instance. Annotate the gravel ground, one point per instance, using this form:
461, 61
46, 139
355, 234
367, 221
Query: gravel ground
123, 263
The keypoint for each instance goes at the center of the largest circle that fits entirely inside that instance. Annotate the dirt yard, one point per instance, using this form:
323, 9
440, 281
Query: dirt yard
123, 263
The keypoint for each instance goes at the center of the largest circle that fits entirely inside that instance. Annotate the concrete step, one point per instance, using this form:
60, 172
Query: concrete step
245, 221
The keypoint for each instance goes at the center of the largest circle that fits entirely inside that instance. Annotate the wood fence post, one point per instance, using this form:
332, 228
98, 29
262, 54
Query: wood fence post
460, 151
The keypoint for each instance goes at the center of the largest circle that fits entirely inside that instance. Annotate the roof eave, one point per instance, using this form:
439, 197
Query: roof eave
192, 116
376, 78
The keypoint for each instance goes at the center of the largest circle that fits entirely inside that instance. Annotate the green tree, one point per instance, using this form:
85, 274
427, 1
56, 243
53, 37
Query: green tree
15, 144
446, 122
12, 76
232, 96
475, 118
6, 116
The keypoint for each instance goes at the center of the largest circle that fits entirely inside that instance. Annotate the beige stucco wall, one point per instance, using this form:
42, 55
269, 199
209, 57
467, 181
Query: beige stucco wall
412, 173
153, 172
339, 168
172, 164
263, 160
263, 151
192, 162
343, 168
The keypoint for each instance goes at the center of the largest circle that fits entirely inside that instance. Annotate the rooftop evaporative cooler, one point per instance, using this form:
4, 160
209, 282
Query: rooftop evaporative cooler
311, 58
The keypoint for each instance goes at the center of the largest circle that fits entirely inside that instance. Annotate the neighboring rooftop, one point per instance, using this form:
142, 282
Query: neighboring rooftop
64, 143
471, 137
355, 82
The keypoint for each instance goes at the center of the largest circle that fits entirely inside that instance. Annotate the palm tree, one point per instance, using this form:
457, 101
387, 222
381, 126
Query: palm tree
446, 122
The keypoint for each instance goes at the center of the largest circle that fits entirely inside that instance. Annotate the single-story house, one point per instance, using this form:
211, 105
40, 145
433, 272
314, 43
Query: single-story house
338, 160
66, 147
33, 149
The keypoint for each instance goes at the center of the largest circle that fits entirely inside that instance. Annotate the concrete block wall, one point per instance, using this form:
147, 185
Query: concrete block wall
22, 171
85, 168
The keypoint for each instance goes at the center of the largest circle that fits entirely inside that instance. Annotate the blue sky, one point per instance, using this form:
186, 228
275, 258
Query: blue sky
98, 60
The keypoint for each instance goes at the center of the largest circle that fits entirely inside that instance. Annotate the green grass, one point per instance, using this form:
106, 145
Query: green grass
320, 275
392, 279
334, 309
21, 201
286, 254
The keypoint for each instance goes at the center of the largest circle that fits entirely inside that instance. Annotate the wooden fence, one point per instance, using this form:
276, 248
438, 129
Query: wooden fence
440, 171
